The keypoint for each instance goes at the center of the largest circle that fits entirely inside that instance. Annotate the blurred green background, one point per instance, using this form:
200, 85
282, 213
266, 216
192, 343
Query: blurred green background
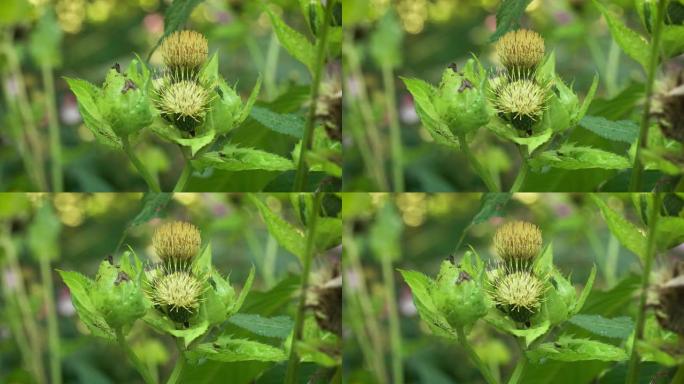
84, 229
417, 231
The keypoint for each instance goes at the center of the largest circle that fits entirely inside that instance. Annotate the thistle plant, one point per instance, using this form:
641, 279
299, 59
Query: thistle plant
185, 102
179, 294
523, 102
520, 293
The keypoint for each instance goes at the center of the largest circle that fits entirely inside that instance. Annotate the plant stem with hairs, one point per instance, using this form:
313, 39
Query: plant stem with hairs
139, 366
292, 373
307, 140
483, 173
635, 184
633, 371
149, 179
481, 366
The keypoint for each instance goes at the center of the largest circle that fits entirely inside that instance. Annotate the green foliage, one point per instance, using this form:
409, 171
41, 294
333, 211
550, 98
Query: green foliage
386, 233
226, 349
80, 287
87, 96
625, 131
177, 14
423, 96
278, 327
626, 232
491, 205
285, 123
44, 233
634, 45
385, 43
117, 296
45, 41
508, 17
569, 349
569, 156
294, 42
232, 158
616, 328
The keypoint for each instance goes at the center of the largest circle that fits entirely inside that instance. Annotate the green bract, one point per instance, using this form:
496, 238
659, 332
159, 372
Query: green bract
124, 104
117, 296
460, 100
459, 296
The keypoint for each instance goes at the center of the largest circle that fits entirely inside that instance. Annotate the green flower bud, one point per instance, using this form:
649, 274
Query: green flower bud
518, 243
117, 296
520, 51
459, 296
124, 104
461, 101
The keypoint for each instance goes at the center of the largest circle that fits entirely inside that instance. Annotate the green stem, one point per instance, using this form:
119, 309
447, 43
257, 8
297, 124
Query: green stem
180, 363
484, 175
52, 324
292, 373
393, 315
522, 363
678, 377
633, 371
484, 370
149, 179
53, 126
270, 71
185, 175
395, 130
522, 173
612, 68
307, 141
637, 170
139, 365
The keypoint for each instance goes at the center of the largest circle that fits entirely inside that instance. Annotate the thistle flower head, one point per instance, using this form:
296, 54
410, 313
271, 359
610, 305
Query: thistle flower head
519, 294
521, 99
178, 294
184, 50
176, 241
522, 49
184, 103
518, 242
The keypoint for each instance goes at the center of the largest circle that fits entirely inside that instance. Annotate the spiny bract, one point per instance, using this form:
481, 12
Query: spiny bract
519, 294
518, 241
176, 241
184, 49
184, 102
521, 49
521, 99
178, 294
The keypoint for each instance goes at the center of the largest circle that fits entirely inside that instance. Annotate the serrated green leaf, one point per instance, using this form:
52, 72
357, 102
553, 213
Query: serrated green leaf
249, 105
670, 232
587, 100
285, 123
491, 205
569, 156
508, 132
231, 350
586, 291
634, 45
278, 326
420, 290
246, 287
673, 40
616, 328
626, 232
294, 42
86, 96
79, 287
508, 17
153, 205
423, 93
568, 349
232, 158
625, 131
287, 235
177, 14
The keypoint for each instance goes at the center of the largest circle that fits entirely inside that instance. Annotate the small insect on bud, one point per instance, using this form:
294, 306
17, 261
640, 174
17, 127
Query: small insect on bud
518, 294
517, 243
185, 50
520, 51
177, 295
176, 242
522, 102
184, 104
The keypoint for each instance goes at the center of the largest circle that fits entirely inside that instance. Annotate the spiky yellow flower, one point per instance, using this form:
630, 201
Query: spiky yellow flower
518, 242
177, 294
184, 50
521, 99
519, 294
176, 241
184, 103
520, 50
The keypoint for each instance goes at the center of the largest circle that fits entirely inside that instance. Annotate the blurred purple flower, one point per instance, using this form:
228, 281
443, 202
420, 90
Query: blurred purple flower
563, 18
68, 110
11, 279
407, 110
562, 210
64, 305
154, 23
406, 305
353, 86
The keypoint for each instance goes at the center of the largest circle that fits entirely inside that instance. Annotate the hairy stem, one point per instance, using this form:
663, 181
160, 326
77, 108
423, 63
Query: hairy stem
180, 363
522, 173
393, 314
395, 130
53, 126
149, 179
52, 324
139, 365
633, 371
481, 366
307, 141
484, 175
635, 184
292, 373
